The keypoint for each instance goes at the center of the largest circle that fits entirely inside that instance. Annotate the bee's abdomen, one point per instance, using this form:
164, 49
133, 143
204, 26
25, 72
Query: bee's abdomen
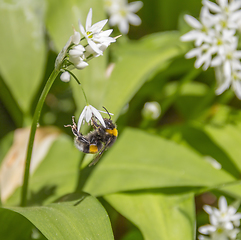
88, 147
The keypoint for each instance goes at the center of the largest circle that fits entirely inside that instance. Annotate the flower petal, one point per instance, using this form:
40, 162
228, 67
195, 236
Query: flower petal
65, 77
206, 229
76, 37
135, 6
222, 204
81, 65
192, 21
98, 116
212, 6
208, 209
97, 27
88, 20
134, 19
81, 118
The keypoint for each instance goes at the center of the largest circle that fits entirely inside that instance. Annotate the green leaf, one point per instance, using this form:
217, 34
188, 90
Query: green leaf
228, 138
140, 161
55, 176
137, 61
158, 216
9, 221
82, 217
195, 136
22, 47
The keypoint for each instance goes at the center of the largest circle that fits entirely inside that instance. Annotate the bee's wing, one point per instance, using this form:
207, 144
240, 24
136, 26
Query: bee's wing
97, 158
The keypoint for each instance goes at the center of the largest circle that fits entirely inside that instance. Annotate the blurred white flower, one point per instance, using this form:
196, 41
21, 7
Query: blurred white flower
122, 14
227, 8
225, 214
151, 110
216, 42
94, 34
86, 115
202, 30
217, 232
223, 222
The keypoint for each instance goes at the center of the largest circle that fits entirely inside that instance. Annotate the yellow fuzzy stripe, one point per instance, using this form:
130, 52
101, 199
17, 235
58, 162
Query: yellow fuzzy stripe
93, 149
113, 132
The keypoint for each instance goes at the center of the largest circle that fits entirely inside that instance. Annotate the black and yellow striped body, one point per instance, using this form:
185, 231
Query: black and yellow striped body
96, 141
88, 144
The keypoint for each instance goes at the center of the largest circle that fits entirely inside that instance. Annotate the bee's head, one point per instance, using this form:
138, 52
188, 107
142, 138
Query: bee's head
110, 128
109, 124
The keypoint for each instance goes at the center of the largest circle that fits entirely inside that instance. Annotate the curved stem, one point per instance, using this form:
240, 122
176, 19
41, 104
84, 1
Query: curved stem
32, 135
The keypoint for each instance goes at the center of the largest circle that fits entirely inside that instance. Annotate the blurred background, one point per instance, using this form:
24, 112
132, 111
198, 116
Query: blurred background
173, 100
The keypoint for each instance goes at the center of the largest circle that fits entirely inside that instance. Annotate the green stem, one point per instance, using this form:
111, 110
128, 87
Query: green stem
32, 135
78, 83
84, 94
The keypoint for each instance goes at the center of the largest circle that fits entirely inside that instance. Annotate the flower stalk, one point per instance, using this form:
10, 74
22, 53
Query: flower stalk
36, 116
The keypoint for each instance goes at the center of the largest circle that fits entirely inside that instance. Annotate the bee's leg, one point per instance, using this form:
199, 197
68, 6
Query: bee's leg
74, 128
94, 123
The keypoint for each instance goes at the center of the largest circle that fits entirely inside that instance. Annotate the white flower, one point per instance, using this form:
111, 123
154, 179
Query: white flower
121, 14
224, 82
94, 34
65, 77
76, 56
223, 222
217, 232
225, 214
223, 6
74, 39
204, 55
202, 30
86, 115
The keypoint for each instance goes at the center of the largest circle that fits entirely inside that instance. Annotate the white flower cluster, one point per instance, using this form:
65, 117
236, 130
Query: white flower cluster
75, 55
224, 222
216, 42
121, 13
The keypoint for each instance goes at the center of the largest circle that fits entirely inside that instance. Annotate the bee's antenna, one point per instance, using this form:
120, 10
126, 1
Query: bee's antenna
107, 112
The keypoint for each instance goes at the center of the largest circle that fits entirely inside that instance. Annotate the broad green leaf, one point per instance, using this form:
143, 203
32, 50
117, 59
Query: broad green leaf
158, 216
82, 217
228, 138
194, 136
22, 47
137, 61
9, 221
139, 160
56, 175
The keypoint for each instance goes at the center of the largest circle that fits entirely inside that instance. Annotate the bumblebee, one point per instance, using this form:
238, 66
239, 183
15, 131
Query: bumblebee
97, 141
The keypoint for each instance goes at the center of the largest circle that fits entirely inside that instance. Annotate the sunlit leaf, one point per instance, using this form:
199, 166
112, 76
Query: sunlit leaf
82, 217
22, 47
140, 161
228, 138
158, 216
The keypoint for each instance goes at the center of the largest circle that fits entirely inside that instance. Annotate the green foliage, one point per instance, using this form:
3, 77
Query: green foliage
23, 50
80, 216
157, 170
